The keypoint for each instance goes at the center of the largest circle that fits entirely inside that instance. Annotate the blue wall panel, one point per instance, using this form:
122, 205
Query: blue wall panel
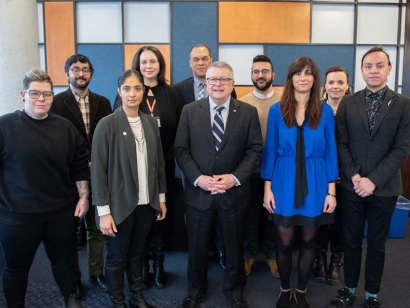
108, 63
325, 56
192, 23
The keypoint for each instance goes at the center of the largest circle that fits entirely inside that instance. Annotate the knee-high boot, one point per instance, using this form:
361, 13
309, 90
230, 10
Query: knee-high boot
115, 285
134, 275
321, 264
158, 262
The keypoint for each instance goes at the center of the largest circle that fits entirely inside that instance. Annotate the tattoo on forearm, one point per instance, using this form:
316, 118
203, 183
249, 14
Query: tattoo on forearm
83, 191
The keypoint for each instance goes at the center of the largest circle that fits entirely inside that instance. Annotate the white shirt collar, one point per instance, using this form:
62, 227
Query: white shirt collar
261, 96
212, 104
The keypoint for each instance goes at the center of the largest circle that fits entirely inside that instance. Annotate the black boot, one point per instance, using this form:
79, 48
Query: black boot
145, 270
115, 284
321, 265
158, 267
134, 275
333, 275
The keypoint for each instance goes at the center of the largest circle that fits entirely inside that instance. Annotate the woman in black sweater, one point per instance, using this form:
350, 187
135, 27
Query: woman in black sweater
43, 190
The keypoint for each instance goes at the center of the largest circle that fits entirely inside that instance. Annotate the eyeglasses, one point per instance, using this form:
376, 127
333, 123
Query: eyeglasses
76, 70
223, 81
36, 94
264, 72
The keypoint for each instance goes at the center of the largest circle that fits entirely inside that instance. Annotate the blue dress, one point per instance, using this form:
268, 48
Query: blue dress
279, 166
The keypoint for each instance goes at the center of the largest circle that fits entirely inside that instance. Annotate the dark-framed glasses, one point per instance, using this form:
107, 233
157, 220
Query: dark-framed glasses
223, 81
36, 94
76, 70
264, 72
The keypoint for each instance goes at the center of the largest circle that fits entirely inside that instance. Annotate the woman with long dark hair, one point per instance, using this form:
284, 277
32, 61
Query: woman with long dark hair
162, 102
336, 86
299, 166
128, 184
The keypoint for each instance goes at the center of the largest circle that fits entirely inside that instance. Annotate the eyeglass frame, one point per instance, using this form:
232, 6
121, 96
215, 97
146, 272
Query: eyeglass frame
89, 71
261, 71
41, 94
220, 81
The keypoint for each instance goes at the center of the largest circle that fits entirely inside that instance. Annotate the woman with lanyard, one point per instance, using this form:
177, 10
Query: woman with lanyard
299, 166
336, 86
162, 102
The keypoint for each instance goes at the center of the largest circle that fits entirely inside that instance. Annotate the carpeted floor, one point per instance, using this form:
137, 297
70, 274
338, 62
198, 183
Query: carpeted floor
261, 290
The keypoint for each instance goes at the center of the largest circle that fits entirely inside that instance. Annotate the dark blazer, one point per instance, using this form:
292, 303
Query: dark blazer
114, 172
379, 155
185, 89
239, 154
65, 105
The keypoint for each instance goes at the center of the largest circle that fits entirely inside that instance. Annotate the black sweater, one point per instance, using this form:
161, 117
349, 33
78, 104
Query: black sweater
40, 161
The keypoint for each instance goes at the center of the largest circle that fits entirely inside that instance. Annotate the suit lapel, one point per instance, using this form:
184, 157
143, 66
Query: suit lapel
387, 104
129, 140
233, 115
360, 104
72, 105
190, 90
93, 102
205, 117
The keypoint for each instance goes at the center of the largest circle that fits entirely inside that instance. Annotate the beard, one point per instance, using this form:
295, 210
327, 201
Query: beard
74, 84
268, 83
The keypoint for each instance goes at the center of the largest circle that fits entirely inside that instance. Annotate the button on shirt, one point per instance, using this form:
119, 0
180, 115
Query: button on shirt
373, 104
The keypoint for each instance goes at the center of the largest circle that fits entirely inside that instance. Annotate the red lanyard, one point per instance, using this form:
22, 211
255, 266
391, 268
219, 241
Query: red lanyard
151, 107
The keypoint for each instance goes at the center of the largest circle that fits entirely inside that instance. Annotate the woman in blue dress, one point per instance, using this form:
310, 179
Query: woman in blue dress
299, 166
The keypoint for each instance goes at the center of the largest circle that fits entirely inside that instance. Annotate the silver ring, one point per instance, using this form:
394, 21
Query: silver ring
264, 205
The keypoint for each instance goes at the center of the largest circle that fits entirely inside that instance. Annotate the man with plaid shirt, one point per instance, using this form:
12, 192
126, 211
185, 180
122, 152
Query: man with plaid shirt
84, 109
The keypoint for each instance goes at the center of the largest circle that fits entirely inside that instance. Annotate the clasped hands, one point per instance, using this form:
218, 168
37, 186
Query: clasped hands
217, 184
363, 186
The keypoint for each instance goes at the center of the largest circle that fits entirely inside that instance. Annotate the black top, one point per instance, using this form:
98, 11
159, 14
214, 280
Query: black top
40, 161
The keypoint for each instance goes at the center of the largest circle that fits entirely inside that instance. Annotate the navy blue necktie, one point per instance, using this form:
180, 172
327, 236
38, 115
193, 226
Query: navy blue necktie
218, 127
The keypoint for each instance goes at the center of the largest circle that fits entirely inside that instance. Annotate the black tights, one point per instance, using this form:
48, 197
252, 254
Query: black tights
306, 255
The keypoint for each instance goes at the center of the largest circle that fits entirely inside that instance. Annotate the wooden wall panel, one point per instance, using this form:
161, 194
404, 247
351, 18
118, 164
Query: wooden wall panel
131, 49
243, 90
59, 38
264, 22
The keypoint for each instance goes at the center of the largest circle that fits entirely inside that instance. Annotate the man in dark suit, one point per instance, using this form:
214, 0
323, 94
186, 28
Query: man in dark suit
218, 146
200, 59
193, 89
84, 109
373, 137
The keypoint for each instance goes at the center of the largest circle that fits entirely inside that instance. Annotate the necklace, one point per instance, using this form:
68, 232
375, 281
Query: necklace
138, 132
334, 109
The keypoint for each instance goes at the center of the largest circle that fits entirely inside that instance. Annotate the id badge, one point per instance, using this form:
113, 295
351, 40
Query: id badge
158, 120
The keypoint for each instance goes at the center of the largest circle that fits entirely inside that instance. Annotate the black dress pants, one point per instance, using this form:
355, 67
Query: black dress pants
378, 212
200, 226
20, 243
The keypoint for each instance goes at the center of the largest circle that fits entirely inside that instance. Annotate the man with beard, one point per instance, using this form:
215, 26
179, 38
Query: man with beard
262, 97
84, 109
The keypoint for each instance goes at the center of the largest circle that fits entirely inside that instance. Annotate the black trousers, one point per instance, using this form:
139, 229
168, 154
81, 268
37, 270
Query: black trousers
128, 242
20, 243
378, 212
200, 226
254, 214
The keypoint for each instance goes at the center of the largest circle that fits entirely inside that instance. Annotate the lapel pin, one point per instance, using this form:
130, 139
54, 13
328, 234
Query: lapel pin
234, 110
124, 133
388, 104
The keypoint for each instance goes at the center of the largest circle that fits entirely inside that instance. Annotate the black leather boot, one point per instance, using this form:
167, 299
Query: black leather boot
321, 265
333, 275
115, 284
145, 270
158, 267
134, 275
